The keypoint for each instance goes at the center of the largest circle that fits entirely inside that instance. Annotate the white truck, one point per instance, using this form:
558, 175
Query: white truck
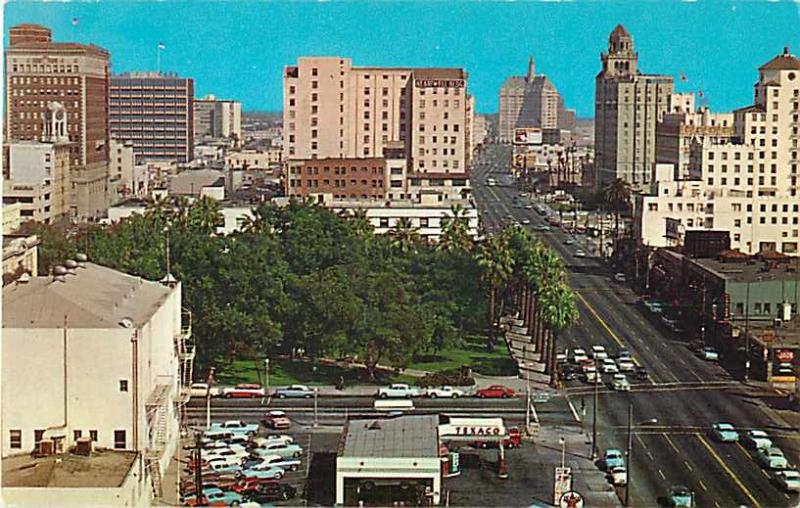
397, 391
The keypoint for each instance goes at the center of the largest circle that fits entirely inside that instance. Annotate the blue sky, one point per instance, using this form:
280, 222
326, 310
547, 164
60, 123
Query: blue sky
238, 49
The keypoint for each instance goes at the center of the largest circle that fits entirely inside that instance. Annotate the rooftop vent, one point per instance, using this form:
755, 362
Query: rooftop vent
376, 425
126, 322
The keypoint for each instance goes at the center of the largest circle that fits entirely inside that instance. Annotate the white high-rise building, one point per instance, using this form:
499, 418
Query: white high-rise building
746, 184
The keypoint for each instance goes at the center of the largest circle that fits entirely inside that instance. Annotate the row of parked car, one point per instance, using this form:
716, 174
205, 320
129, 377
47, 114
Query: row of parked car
404, 391
766, 454
239, 466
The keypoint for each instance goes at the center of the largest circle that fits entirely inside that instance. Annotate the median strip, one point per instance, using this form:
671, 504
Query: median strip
728, 470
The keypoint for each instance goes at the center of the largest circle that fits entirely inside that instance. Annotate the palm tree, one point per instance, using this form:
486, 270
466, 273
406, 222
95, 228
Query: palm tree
405, 235
497, 264
158, 210
205, 214
361, 224
455, 230
616, 196
559, 312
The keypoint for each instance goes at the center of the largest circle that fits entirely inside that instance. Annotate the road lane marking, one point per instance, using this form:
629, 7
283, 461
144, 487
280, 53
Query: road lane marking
702, 485
600, 320
717, 504
671, 443
572, 408
641, 442
688, 466
662, 475
728, 470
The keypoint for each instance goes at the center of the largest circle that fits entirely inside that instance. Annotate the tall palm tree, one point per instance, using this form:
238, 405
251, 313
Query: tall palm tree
404, 235
158, 210
361, 224
616, 196
559, 312
497, 264
455, 230
205, 214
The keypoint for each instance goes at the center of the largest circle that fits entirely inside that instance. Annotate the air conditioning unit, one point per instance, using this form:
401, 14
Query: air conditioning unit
83, 446
44, 449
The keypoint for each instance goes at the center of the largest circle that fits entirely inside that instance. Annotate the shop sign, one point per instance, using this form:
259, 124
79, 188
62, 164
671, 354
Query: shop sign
784, 355
478, 431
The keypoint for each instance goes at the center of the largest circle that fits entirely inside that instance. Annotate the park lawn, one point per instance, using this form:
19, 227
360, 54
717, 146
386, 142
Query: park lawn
283, 372
472, 353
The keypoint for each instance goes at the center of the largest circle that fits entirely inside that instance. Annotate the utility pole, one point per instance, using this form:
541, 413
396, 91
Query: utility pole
316, 392
747, 334
594, 412
209, 383
198, 469
703, 312
630, 453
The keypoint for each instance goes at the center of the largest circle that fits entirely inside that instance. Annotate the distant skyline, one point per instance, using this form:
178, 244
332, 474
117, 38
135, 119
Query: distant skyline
237, 50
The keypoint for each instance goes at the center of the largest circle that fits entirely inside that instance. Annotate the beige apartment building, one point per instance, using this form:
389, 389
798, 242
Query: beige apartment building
217, 118
531, 101
333, 110
628, 104
40, 72
746, 184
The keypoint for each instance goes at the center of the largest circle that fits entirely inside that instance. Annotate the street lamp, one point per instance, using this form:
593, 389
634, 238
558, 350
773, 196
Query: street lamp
563, 443
594, 410
316, 392
266, 375
209, 382
651, 421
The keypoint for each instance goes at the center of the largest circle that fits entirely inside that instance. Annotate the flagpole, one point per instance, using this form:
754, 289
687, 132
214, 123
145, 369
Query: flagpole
158, 58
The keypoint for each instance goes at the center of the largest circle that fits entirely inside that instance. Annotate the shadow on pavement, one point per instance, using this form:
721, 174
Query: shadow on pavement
321, 483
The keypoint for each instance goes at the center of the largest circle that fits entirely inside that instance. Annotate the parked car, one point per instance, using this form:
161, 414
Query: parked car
626, 365
285, 450
294, 391
619, 277
269, 461
599, 352
277, 420
579, 355
772, 458
231, 456
445, 392
608, 366
253, 475
202, 390
569, 241
709, 353
756, 440
267, 493
215, 497
680, 497
788, 480
620, 383
618, 475
613, 458
216, 434
260, 442
525, 222
567, 372
236, 427
495, 392
641, 374
243, 391
724, 433
514, 440
580, 253
397, 391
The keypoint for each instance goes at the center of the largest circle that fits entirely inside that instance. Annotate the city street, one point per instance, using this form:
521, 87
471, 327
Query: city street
685, 394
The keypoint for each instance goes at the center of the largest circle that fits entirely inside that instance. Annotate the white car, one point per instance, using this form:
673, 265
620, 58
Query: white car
217, 462
617, 475
625, 364
579, 355
270, 461
757, 440
709, 354
397, 390
609, 366
620, 383
599, 352
772, 458
580, 254
261, 442
444, 392
788, 479
201, 390
619, 277
525, 222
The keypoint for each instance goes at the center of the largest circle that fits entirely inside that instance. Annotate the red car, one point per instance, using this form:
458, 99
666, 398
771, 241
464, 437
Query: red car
243, 391
495, 392
277, 420
514, 440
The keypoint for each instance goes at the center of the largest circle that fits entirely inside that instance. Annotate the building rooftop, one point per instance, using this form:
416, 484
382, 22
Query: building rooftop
439, 73
403, 437
784, 61
103, 469
94, 297
750, 270
191, 182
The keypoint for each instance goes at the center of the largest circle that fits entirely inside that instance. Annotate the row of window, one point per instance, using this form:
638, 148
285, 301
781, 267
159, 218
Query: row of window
15, 437
763, 307
434, 163
45, 81
773, 181
18, 92
435, 139
445, 103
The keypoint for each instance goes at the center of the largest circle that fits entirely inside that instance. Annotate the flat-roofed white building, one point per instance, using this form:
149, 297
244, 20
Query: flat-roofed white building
93, 353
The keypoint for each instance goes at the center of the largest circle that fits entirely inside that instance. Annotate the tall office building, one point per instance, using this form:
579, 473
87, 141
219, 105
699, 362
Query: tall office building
217, 118
155, 112
628, 104
746, 183
41, 74
333, 110
532, 101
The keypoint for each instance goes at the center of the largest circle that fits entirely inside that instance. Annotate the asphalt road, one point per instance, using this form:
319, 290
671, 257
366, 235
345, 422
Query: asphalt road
685, 394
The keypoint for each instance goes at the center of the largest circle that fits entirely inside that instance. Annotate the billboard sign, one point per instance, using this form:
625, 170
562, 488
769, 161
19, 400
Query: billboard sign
673, 229
528, 136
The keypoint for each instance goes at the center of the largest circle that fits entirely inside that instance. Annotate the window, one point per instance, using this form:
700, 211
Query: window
757, 307
76, 434
93, 435
384, 222
119, 439
38, 435
123, 385
16, 438
314, 71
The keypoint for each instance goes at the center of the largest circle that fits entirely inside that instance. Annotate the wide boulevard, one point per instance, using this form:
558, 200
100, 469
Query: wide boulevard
685, 395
